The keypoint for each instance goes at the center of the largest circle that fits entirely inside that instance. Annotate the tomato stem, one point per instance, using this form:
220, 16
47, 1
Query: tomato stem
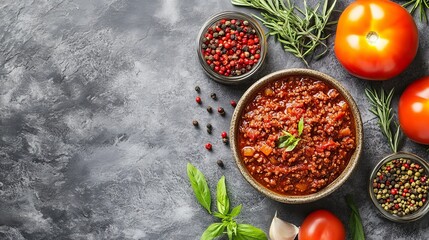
372, 37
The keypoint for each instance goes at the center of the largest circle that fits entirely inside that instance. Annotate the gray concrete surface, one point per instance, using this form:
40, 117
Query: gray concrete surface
96, 105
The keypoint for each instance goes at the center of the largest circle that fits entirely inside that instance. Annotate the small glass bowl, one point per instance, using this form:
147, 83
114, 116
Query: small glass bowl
262, 40
393, 217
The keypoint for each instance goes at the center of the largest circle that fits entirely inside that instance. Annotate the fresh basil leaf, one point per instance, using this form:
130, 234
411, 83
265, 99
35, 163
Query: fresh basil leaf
289, 141
219, 215
286, 142
212, 231
282, 141
222, 197
235, 211
249, 232
300, 126
200, 186
355, 222
293, 145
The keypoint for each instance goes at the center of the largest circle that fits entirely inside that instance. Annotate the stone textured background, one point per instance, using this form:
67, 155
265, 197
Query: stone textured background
96, 105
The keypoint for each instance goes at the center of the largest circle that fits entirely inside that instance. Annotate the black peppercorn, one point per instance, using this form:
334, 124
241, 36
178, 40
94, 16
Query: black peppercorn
209, 126
195, 123
209, 109
213, 96
225, 140
209, 130
197, 88
220, 163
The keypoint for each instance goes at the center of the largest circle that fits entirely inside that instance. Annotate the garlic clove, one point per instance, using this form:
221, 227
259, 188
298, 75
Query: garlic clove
281, 230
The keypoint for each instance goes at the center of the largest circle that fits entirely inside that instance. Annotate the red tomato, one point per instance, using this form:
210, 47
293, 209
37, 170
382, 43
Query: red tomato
376, 39
413, 111
322, 225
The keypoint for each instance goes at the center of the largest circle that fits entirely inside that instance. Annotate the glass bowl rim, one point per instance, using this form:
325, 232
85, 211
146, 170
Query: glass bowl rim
407, 218
263, 41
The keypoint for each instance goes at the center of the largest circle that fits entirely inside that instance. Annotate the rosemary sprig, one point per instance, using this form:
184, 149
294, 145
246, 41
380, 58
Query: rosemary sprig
288, 140
381, 107
421, 5
302, 32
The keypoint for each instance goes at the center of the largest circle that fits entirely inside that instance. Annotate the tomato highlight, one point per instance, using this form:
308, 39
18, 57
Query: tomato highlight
376, 39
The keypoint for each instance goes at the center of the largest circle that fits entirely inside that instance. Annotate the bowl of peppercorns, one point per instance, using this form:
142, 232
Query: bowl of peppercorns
399, 187
231, 47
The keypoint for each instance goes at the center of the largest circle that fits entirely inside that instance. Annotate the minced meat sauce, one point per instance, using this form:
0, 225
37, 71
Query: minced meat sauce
325, 146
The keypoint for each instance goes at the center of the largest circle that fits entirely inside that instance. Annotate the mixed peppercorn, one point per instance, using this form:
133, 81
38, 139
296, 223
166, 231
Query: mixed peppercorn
209, 126
401, 187
231, 47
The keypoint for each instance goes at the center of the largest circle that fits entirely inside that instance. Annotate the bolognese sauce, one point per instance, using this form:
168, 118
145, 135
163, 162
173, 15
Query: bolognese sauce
326, 143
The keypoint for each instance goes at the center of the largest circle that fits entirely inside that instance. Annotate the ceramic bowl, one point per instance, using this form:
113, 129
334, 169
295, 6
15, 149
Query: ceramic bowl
248, 97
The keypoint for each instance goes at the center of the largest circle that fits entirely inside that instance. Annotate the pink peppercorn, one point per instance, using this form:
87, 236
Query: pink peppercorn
208, 146
233, 103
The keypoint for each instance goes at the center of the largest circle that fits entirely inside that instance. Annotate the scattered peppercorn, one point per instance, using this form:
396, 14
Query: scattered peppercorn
209, 109
233, 103
220, 163
195, 123
208, 146
224, 135
231, 47
213, 96
209, 126
225, 140
209, 130
197, 88
198, 100
221, 111
401, 187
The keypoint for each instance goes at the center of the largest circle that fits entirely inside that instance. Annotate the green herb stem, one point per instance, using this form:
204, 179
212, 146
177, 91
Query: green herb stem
355, 224
421, 5
302, 32
381, 107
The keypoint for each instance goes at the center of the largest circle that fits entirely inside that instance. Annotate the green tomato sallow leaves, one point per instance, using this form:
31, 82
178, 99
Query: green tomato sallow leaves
233, 230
